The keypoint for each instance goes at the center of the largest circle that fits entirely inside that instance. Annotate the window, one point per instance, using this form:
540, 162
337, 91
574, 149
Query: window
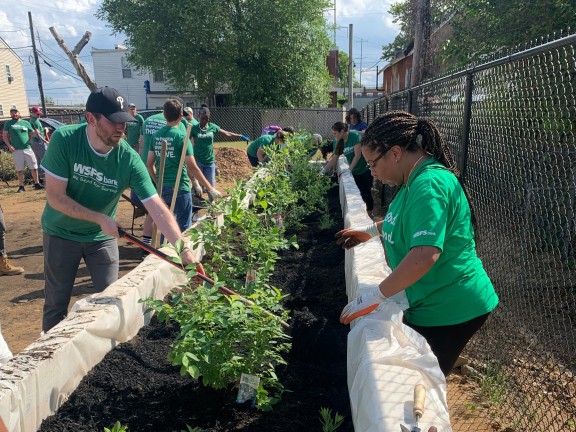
9, 76
126, 69
159, 76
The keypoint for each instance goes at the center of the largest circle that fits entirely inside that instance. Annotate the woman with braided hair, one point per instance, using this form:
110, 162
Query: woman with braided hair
428, 236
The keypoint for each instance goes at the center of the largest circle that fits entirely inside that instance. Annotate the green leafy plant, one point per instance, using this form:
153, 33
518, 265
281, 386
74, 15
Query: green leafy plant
221, 337
329, 423
494, 384
118, 427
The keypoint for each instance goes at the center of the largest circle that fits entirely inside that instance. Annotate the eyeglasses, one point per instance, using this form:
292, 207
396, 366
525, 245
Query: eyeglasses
372, 164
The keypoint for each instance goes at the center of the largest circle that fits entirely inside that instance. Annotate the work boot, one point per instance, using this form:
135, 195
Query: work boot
7, 269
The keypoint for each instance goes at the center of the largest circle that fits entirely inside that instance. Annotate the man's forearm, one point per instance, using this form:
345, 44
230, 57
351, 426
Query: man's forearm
163, 219
69, 207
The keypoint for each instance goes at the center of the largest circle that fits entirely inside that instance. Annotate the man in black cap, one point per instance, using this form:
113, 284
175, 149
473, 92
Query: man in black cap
88, 166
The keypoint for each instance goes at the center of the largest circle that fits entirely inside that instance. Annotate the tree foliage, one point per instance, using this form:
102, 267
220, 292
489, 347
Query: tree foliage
343, 62
482, 27
266, 52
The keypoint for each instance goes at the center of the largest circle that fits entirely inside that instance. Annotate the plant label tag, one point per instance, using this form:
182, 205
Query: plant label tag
248, 387
278, 220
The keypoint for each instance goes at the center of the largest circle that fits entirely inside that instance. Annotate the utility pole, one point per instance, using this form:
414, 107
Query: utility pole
350, 68
361, 44
38, 72
421, 32
334, 22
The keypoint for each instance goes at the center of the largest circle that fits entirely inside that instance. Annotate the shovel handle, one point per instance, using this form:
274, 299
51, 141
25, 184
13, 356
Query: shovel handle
223, 290
419, 399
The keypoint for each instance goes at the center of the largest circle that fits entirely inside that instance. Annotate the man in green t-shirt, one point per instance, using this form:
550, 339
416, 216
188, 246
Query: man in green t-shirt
135, 130
17, 134
39, 140
176, 139
87, 169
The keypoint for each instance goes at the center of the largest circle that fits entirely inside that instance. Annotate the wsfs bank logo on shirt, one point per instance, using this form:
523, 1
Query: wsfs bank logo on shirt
91, 175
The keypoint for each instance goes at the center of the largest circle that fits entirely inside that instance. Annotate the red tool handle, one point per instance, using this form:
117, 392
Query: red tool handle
200, 275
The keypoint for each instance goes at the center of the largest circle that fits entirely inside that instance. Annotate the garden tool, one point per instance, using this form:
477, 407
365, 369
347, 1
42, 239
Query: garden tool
200, 275
418, 409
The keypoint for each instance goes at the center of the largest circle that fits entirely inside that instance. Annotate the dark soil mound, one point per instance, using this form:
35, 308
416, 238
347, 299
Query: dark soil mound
136, 385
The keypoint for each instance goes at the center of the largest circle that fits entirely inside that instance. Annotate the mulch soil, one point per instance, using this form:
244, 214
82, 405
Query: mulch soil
136, 385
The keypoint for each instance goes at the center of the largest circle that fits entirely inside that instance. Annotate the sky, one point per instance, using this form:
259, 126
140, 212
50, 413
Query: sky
372, 28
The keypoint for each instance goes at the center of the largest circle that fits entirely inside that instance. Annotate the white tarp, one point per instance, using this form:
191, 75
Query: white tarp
386, 359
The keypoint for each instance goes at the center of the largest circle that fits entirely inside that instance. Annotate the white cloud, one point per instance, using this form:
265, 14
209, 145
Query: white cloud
373, 27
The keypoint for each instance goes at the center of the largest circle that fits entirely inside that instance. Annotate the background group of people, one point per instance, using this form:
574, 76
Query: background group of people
27, 142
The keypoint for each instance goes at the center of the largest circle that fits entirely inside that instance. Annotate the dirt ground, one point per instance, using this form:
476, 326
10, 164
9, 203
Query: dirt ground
21, 297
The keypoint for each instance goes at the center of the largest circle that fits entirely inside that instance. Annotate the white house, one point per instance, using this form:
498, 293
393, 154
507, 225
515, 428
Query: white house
12, 87
112, 69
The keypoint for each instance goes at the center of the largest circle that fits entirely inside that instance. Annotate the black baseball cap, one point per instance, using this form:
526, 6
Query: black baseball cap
110, 103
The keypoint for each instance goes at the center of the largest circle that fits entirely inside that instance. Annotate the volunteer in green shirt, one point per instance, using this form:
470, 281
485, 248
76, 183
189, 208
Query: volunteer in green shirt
428, 236
134, 130
189, 116
38, 142
87, 167
348, 143
256, 150
17, 134
176, 139
203, 139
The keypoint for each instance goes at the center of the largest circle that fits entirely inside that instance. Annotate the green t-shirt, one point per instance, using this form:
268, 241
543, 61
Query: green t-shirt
262, 141
36, 125
152, 125
353, 139
204, 142
95, 181
432, 210
174, 136
134, 130
19, 131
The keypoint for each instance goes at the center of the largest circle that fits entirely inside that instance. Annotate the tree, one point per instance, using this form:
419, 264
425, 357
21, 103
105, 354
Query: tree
343, 62
481, 27
267, 52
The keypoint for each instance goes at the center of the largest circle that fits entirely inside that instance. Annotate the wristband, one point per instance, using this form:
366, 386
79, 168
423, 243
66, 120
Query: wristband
184, 249
372, 230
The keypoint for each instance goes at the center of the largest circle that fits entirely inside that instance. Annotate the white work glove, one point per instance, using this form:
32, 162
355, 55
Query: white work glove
213, 194
362, 305
196, 187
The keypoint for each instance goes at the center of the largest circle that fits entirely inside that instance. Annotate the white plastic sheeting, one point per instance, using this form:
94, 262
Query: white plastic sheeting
38, 380
386, 358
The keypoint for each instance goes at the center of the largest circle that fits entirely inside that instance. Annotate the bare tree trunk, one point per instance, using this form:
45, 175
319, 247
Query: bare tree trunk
73, 56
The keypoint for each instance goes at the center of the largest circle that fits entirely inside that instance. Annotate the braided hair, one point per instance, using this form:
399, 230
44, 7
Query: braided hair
405, 130
340, 127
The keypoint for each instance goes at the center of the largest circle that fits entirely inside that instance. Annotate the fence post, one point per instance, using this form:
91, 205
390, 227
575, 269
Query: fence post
409, 108
466, 126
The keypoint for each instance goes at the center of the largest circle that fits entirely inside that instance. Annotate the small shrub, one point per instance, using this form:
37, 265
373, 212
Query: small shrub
329, 423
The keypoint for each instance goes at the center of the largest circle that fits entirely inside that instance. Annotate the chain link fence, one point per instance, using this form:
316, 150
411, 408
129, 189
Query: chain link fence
243, 120
510, 124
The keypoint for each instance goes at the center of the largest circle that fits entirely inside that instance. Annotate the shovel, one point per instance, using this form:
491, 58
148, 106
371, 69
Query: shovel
418, 409
200, 276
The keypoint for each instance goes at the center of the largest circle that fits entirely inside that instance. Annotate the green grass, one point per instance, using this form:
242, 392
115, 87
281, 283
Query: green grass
233, 144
